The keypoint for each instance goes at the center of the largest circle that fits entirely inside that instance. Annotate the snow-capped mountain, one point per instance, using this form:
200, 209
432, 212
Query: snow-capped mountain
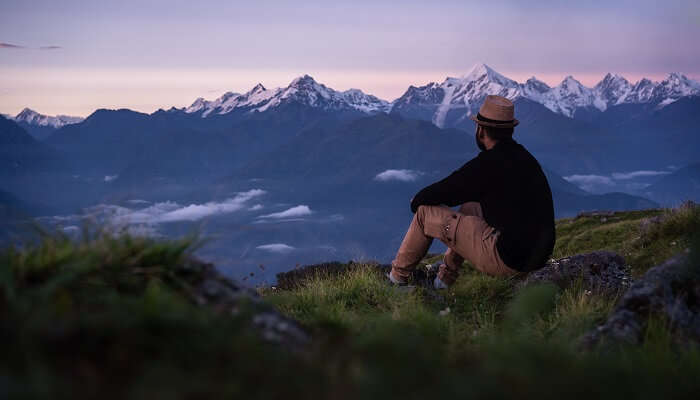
303, 89
613, 89
32, 117
673, 88
463, 96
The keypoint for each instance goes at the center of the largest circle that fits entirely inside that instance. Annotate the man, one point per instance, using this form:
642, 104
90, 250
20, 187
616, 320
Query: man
505, 224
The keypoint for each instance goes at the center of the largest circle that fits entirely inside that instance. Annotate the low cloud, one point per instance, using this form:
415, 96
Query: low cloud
401, 175
50, 47
195, 212
637, 174
110, 178
294, 212
137, 201
590, 182
614, 181
173, 212
276, 247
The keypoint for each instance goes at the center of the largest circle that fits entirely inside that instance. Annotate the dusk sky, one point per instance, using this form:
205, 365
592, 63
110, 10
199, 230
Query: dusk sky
72, 57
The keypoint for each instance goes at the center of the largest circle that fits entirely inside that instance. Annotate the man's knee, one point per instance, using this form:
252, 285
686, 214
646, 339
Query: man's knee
471, 208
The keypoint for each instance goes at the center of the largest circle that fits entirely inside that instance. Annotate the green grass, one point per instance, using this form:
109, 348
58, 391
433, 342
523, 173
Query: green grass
112, 317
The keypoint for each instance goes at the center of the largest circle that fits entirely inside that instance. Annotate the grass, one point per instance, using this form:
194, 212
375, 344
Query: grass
112, 316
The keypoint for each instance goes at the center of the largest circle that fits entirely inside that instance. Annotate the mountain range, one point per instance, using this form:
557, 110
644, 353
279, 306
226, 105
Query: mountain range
452, 101
434, 101
332, 172
573, 130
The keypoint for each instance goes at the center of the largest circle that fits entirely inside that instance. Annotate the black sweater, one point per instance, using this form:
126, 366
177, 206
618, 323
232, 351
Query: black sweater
515, 198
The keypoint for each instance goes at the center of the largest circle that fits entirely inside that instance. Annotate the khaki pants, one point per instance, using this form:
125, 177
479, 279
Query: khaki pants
466, 234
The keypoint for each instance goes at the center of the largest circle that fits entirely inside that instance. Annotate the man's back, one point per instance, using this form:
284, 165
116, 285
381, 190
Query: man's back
515, 198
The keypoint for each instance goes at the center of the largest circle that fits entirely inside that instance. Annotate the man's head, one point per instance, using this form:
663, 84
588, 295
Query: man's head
495, 121
486, 137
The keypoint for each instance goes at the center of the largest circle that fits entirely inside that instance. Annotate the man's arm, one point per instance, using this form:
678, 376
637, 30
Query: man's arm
465, 184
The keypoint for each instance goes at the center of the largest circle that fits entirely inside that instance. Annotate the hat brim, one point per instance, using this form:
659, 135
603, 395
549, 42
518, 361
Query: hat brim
495, 125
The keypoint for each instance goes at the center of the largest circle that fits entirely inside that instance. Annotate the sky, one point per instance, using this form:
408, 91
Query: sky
72, 57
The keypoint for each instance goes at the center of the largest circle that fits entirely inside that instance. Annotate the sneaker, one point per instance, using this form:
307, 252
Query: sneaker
395, 281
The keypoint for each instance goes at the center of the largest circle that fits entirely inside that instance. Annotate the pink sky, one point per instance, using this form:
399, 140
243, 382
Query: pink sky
74, 56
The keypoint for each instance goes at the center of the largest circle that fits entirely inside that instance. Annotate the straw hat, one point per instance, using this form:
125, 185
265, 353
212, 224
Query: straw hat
496, 112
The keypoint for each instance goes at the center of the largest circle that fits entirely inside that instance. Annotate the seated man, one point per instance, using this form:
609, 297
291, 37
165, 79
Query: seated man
505, 224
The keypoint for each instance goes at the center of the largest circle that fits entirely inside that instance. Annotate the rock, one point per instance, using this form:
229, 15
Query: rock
600, 271
670, 290
207, 287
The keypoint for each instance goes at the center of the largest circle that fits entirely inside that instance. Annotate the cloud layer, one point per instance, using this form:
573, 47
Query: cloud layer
637, 174
173, 212
275, 248
614, 181
294, 212
401, 175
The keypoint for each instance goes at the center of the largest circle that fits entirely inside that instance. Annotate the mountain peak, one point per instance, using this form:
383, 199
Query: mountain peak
611, 79
534, 81
304, 80
570, 80
480, 70
26, 113
258, 88
534, 88
31, 117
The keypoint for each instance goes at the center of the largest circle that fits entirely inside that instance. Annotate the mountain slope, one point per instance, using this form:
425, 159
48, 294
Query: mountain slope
20, 153
344, 161
675, 188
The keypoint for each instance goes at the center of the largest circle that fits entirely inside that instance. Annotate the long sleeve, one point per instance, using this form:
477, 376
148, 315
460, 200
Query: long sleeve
464, 184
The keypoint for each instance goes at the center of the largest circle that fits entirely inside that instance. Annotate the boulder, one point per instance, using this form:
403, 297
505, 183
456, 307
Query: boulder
602, 272
670, 291
207, 287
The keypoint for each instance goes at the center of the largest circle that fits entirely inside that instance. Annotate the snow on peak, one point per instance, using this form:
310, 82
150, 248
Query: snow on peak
303, 89
534, 89
198, 104
675, 86
613, 89
464, 94
32, 117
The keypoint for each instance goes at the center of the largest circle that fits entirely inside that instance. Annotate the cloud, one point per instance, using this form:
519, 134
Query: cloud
604, 183
110, 178
276, 247
172, 212
15, 46
137, 201
402, 175
590, 182
10, 46
256, 207
637, 174
298, 211
195, 212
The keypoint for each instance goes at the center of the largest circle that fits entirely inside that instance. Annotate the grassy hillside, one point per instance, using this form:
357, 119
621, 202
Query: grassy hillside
114, 316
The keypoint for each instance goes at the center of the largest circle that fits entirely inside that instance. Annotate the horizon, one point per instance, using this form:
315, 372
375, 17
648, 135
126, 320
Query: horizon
553, 81
73, 58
